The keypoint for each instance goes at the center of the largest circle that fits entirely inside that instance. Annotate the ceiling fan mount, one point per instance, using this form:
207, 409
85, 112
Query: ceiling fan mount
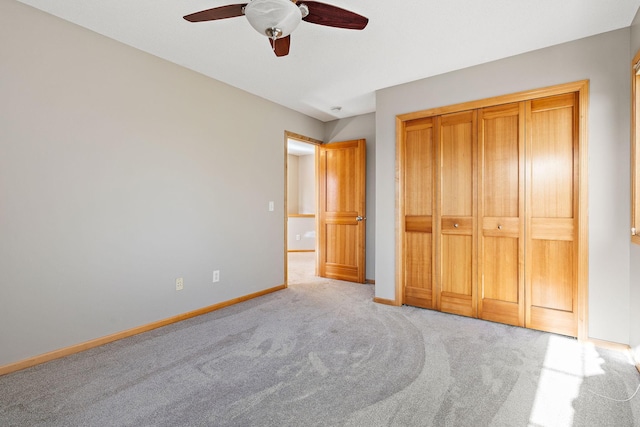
277, 19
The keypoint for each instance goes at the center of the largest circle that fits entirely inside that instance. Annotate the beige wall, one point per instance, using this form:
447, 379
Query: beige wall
120, 172
604, 60
301, 184
302, 234
307, 184
293, 204
301, 189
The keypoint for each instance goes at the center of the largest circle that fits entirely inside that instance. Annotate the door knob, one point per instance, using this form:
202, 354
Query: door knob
456, 225
359, 218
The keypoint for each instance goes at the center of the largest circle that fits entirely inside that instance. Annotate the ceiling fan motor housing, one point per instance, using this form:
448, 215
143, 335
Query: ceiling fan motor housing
273, 18
278, 18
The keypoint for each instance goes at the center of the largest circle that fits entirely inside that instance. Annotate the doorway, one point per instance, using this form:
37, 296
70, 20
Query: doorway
332, 221
300, 206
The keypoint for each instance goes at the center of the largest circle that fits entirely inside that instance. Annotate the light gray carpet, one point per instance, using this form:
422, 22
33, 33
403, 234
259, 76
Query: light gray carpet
321, 353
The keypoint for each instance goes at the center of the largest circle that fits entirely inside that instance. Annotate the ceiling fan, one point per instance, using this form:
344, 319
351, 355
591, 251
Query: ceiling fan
278, 18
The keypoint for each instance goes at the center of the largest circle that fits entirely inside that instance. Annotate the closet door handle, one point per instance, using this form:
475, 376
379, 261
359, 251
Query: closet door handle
456, 225
360, 218
499, 227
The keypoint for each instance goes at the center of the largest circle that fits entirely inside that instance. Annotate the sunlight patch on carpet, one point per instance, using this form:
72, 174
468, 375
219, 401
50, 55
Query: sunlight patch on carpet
561, 378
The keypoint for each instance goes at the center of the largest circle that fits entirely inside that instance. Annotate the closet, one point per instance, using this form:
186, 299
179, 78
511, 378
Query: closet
492, 209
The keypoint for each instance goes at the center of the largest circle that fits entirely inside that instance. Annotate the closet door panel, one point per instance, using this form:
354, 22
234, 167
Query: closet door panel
418, 160
552, 281
501, 213
551, 264
457, 147
500, 157
552, 159
457, 281
418, 270
418, 188
457, 274
501, 269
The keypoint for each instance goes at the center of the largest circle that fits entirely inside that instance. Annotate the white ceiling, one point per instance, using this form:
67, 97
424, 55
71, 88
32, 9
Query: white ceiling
327, 67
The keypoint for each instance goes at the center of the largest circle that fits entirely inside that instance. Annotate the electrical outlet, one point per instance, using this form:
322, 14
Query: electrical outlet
271, 206
297, 237
179, 284
216, 276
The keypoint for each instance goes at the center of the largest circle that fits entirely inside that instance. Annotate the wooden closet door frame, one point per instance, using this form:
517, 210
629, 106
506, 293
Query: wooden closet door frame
582, 89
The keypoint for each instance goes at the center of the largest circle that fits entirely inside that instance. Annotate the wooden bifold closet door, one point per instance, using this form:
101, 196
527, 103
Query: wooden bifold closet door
501, 214
419, 169
488, 203
552, 220
456, 194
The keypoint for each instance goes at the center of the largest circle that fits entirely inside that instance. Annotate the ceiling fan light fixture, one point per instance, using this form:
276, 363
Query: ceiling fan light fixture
273, 18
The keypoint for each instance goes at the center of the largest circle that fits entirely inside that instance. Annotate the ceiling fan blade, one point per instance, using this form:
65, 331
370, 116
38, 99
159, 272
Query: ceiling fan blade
222, 12
281, 46
333, 16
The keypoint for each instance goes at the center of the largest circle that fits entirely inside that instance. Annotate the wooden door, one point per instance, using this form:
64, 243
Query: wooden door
552, 214
501, 213
418, 155
456, 259
341, 210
